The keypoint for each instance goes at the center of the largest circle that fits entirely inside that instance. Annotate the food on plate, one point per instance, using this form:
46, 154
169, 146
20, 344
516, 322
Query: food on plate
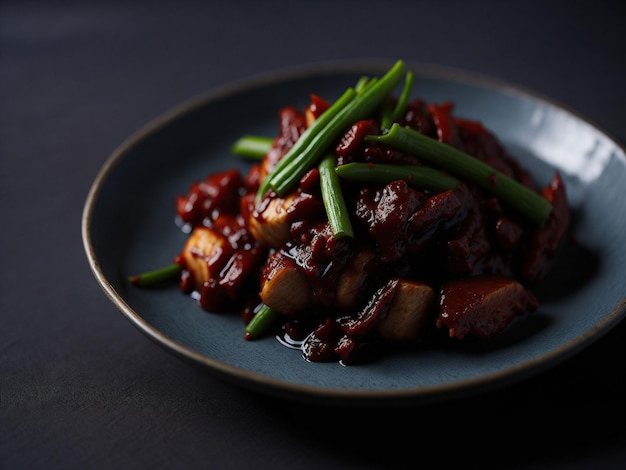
374, 221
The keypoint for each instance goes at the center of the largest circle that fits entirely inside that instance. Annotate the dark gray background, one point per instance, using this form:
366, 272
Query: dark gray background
80, 387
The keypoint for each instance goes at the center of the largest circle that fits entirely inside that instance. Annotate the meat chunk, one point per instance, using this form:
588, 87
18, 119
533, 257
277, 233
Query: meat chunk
352, 279
205, 253
269, 222
409, 313
482, 306
217, 194
285, 288
272, 219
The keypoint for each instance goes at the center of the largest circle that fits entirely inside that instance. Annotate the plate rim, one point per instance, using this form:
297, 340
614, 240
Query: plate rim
320, 395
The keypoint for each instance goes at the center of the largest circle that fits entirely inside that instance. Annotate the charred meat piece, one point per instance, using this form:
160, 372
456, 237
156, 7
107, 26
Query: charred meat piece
482, 306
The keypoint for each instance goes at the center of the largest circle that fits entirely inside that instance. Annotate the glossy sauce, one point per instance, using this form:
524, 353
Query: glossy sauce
464, 243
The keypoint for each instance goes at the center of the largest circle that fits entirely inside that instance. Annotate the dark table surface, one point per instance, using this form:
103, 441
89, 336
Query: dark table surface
80, 387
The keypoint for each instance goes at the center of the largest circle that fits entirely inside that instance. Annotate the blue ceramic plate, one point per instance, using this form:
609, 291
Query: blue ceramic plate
128, 227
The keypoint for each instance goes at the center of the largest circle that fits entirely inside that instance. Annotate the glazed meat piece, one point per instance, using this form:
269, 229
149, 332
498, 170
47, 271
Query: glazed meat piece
410, 313
219, 262
482, 306
319, 271
205, 254
285, 288
269, 222
353, 279
399, 310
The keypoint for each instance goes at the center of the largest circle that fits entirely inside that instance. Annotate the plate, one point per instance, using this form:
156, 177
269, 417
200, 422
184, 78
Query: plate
128, 227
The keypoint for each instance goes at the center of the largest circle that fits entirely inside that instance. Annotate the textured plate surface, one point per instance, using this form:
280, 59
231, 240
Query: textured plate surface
128, 227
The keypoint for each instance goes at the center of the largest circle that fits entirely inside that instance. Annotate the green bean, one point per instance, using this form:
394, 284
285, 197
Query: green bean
307, 136
332, 196
390, 113
367, 100
417, 176
528, 202
253, 147
400, 108
386, 112
156, 276
262, 321
361, 82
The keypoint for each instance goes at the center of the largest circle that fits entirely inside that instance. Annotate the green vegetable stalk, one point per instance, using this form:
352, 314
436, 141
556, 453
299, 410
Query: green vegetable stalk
417, 176
262, 320
322, 135
252, 147
150, 278
464, 166
332, 196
